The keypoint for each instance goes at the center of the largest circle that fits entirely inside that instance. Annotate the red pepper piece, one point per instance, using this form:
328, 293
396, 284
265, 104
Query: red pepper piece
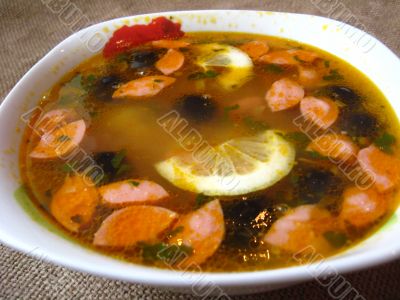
128, 37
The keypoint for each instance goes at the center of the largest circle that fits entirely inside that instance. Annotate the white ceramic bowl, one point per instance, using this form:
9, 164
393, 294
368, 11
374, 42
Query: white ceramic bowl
19, 230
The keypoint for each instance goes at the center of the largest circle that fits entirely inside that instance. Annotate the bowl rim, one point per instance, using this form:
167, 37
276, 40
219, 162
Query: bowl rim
173, 278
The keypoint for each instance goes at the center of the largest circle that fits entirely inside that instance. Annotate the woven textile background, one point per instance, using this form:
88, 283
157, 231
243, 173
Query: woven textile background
29, 30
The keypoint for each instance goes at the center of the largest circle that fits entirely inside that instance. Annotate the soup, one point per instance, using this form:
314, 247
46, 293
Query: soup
212, 151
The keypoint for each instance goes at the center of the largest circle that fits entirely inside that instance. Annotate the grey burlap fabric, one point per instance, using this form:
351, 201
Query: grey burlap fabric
29, 30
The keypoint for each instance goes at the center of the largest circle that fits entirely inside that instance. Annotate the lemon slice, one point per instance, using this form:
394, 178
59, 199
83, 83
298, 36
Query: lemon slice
238, 166
239, 66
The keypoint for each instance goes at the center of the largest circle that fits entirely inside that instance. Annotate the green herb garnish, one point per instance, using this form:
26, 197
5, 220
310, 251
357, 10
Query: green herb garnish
315, 155
88, 82
294, 47
294, 179
385, 142
233, 107
91, 78
272, 68
175, 231
254, 125
118, 158
134, 183
77, 219
299, 59
333, 75
65, 101
300, 139
114, 165
336, 239
104, 180
327, 63
122, 57
235, 42
201, 200
122, 169
203, 75
228, 109
158, 80
170, 254
67, 168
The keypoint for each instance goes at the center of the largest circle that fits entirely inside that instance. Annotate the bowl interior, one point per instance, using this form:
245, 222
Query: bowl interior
31, 233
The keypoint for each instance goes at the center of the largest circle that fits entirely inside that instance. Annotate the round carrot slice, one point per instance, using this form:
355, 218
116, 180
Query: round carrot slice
321, 112
144, 87
74, 204
203, 230
362, 207
170, 44
255, 49
289, 57
132, 192
172, 61
128, 226
284, 94
336, 146
383, 169
60, 141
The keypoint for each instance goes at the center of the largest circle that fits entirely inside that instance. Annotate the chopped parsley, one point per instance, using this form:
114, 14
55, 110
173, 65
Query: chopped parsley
122, 57
175, 231
385, 142
300, 139
236, 42
203, 75
89, 81
93, 114
67, 168
315, 155
114, 165
201, 200
228, 109
336, 239
134, 183
272, 68
77, 219
254, 125
294, 179
333, 76
118, 158
123, 168
299, 59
